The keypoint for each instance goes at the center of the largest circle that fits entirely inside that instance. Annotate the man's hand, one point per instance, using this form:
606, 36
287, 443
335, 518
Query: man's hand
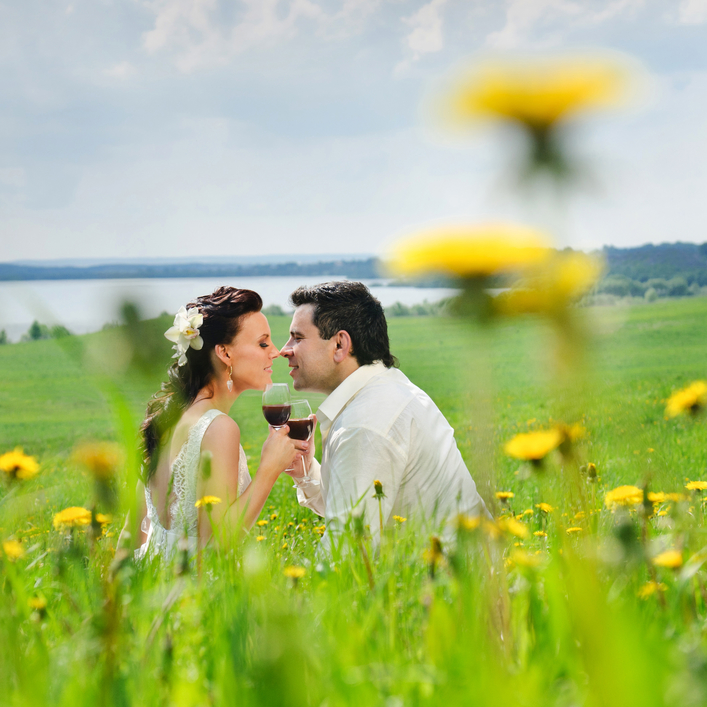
303, 462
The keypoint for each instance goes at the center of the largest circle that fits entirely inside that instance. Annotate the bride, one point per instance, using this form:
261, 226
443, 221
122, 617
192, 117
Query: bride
223, 348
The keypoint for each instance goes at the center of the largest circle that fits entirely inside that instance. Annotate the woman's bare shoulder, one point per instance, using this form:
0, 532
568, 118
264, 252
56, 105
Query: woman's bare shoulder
223, 428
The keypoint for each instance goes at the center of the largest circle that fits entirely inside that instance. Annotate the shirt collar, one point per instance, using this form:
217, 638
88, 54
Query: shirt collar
346, 390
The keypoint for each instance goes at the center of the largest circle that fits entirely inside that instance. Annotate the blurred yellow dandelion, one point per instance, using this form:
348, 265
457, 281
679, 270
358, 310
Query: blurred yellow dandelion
540, 534
102, 459
260, 538
399, 519
671, 559
38, 603
651, 588
465, 522
103, 518
524, 559
513, 527
208, 501
262, 523
623, 496
294, 572
690, 399
469, 251
696, 485
13, 550
657, 497
545, 507
72, 517
573, 530
18, 465
504, 495
538, 92
533, 446
553, 285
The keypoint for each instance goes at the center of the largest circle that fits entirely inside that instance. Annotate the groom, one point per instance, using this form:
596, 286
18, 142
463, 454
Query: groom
375, 424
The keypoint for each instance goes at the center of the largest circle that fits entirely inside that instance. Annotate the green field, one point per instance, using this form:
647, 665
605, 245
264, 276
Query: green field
500, 619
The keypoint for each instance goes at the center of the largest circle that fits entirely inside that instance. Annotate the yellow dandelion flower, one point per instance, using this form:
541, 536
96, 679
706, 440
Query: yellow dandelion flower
504, 495
524, 559
262, 523
273, 516
38, 603
260, 538
537, 92
18, 465
540, 534
465, 522
399, 519
573, 530
102, 459
72, 517
294, 572
690, 399
513, 527
13, 550
672, 559
208, 501
650, 588
533, 446
623, 496
696, 485
545, 507
553, 285
657, 497
103, 518
676, 497
469, 251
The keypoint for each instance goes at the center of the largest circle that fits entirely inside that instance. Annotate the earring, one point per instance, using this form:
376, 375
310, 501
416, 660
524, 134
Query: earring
229, 382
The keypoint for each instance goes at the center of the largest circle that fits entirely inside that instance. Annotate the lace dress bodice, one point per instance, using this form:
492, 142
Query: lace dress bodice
183, 514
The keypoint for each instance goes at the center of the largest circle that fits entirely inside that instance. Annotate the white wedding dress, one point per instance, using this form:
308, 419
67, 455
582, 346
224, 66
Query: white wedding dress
183, 514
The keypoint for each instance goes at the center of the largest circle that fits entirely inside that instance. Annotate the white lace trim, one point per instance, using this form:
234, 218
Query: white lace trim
183, 514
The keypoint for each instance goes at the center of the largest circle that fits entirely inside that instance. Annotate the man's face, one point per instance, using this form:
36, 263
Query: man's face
311, 358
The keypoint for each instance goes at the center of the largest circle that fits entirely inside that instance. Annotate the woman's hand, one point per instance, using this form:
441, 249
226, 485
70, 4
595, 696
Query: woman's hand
279, 451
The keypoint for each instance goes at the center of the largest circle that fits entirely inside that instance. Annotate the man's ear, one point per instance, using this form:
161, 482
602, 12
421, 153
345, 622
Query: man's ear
343, 347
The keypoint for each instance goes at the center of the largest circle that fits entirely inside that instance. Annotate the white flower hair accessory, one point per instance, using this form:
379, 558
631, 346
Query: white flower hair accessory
185, 333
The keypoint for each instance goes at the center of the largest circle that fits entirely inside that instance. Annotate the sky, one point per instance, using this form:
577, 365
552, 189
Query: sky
187, 128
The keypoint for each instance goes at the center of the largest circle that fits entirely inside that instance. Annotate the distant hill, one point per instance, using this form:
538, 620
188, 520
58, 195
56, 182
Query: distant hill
667, 260
357, 269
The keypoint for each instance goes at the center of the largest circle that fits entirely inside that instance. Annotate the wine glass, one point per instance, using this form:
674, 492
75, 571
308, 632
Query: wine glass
276, 404
301, 427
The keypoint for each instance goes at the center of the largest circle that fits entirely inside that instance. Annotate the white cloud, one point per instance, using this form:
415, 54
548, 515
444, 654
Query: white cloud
122, 70
426, 34
525, 19
199, 37
692, 12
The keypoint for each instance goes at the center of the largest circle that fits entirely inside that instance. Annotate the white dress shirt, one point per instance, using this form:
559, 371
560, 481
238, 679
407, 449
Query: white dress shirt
377, 425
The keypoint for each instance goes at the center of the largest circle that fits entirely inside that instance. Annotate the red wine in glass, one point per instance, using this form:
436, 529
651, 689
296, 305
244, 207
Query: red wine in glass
277, 415
276, 404
301, 429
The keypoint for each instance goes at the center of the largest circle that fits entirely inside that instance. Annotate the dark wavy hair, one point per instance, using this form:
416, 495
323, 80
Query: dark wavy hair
349, 306
223, 311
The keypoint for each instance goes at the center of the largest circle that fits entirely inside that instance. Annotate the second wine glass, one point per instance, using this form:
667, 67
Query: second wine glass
301, 427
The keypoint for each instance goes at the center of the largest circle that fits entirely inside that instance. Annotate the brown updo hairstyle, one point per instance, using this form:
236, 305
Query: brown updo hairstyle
223, 311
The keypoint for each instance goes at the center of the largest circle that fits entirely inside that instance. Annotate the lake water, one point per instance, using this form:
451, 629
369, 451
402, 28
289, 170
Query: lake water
86, 305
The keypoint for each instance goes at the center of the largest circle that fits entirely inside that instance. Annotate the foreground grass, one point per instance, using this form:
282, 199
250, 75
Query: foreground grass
524, 615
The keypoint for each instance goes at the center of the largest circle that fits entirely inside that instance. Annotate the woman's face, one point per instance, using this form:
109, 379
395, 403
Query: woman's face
252, 353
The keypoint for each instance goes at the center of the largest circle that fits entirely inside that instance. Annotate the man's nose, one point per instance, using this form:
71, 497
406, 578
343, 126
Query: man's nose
286, 350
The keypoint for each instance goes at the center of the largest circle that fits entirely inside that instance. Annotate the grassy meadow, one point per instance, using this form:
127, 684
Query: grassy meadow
561, 606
